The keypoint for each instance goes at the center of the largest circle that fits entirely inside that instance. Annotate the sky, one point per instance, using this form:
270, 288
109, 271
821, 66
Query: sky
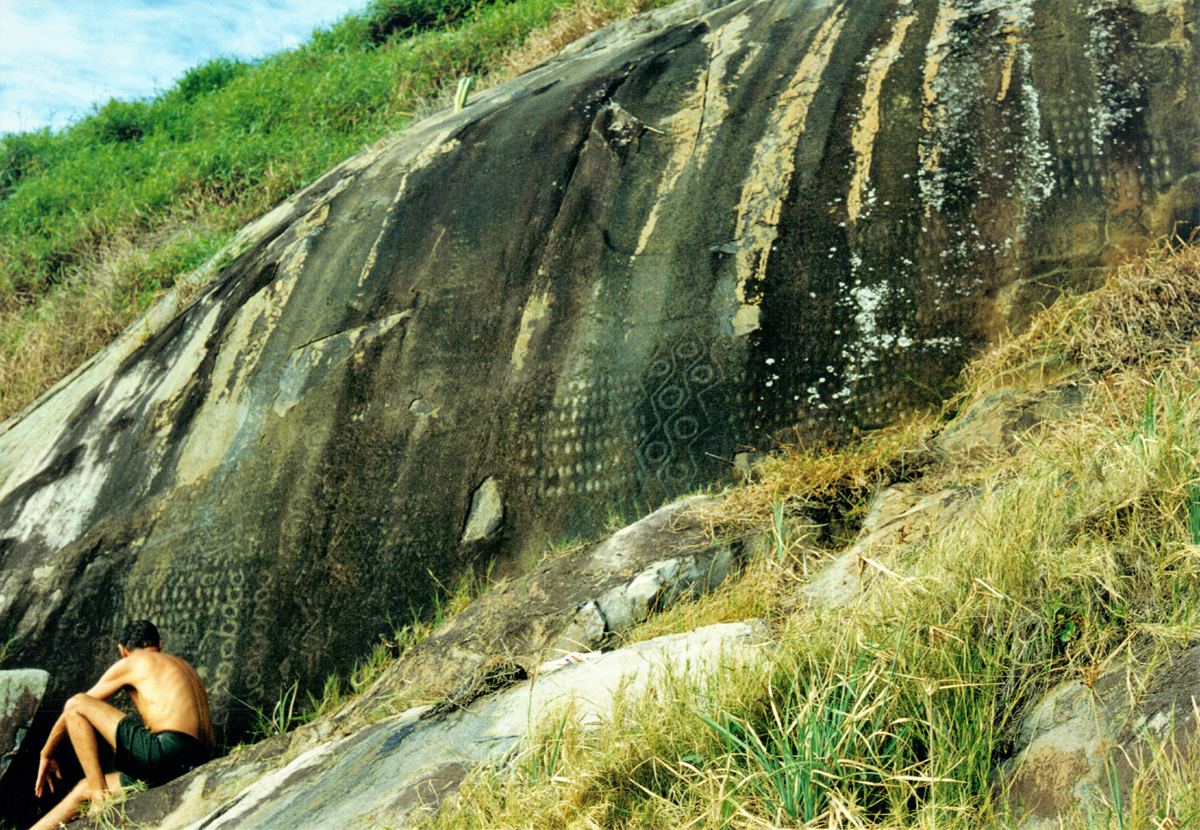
59, 57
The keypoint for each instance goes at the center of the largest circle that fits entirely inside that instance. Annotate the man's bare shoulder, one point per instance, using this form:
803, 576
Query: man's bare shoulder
158, 663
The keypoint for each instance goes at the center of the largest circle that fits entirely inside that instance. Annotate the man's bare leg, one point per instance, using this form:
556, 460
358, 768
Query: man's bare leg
72, 804
87, 718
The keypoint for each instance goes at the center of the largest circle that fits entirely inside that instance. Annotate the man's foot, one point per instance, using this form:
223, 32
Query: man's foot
97, 798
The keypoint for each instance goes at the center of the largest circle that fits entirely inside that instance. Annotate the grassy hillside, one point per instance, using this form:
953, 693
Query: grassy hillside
99, 219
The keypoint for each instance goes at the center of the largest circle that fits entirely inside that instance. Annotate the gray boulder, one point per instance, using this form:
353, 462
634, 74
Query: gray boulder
21, 692
1084, 744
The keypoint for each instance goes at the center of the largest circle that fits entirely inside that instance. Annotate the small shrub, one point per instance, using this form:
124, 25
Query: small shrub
119, 121
209, 77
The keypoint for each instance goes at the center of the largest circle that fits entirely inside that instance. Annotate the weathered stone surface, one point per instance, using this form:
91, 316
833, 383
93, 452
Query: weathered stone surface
574, 602
900, 518
594, 285
1001, 418
21, 691
1081, 739
383, 773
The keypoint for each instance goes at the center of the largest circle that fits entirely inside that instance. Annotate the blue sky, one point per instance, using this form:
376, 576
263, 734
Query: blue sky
59, 57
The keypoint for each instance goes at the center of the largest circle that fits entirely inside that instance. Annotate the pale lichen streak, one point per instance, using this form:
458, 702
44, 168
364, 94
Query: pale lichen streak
692, 131
438, 146
866, 128
935, 52
771, 170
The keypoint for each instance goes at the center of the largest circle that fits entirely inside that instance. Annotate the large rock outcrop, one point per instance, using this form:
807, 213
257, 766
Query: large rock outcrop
587, 290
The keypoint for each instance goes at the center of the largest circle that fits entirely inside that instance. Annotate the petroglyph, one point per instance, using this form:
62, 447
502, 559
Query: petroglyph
595, 286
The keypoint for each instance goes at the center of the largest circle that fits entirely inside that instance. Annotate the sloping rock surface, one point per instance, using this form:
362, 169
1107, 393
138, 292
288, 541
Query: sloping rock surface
380, 775
590, 288
575, 602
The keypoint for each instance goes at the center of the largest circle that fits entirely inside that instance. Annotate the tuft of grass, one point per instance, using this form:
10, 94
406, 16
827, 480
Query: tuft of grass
1147, 309
110, 813
282, 718
826, 489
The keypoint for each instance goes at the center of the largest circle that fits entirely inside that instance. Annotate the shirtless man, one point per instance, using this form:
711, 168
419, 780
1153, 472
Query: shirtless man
177, 734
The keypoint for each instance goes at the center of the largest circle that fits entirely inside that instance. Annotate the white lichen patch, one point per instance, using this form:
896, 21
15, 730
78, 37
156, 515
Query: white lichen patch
60, 510
866, 126
862, 354
956, 89
1116, 91
57, 512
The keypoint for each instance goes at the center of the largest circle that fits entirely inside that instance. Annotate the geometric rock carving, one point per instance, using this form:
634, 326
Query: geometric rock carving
687, 234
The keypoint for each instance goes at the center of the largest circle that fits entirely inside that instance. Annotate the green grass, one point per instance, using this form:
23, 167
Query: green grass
167, 181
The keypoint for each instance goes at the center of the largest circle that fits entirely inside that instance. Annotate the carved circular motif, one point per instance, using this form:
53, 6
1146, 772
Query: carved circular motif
657, 452
702, 375
685, 427
660, 368
671, 397
687, 350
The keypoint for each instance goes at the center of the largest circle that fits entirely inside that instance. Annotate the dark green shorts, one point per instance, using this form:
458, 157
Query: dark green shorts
155, 757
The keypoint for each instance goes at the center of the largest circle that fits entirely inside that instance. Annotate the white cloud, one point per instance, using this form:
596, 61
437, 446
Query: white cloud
59, 57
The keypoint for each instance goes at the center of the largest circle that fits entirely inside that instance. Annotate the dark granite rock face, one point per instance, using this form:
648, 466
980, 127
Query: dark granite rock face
589, 289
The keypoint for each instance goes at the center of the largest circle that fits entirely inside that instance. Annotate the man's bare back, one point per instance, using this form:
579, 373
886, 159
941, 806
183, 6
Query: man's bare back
174, 734
168, 694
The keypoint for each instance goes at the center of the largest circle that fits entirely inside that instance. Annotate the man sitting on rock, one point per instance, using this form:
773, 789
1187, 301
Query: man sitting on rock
173, 735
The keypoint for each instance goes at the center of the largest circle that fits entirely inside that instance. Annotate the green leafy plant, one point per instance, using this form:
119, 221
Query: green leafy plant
1064, 623
283, 716
823, 736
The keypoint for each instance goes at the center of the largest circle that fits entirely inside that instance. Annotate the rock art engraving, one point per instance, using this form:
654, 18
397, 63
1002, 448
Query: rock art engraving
687, 238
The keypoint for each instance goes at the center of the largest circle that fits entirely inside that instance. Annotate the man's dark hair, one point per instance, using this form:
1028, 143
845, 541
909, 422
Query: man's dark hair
140, 634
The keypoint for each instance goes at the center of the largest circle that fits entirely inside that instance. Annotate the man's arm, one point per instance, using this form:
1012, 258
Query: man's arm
112, 681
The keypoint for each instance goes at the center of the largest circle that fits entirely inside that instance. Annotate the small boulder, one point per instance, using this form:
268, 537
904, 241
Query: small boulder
21, 691
1084, 739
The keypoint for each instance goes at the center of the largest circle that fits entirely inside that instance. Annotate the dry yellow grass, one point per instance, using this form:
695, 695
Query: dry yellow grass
1146, 310
567, 26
